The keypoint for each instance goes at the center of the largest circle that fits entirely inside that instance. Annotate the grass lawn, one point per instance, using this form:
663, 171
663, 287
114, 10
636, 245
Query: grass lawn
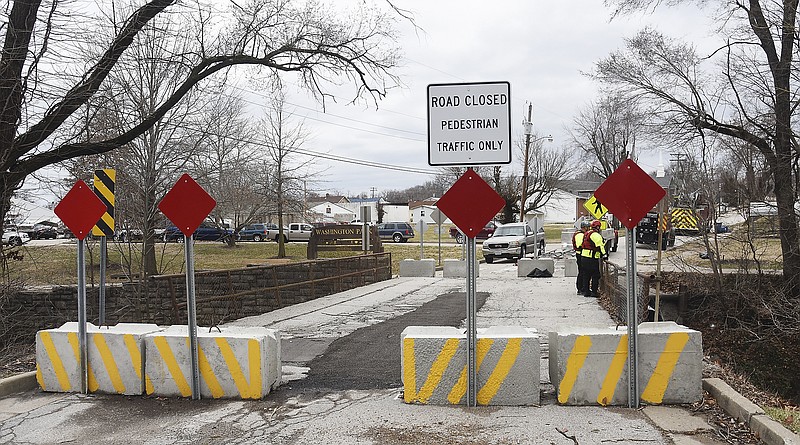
57, 265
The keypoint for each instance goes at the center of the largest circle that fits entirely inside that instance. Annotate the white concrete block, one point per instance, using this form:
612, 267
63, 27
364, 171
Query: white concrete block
527, 265
418, 268
458, 268
115, 357
589, 366
570, 266
234, 362
434, 359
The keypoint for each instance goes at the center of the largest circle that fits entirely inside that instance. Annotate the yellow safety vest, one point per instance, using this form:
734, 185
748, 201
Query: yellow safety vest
599, 246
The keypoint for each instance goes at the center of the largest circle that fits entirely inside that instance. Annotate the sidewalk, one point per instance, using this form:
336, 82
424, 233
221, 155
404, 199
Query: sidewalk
295, 416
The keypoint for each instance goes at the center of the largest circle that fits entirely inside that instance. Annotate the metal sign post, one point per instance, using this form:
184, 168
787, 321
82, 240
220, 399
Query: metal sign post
79, 210
186, 204
421, 230
192, 314
471, 329
439, 218
633, 321
83, 356
103, 260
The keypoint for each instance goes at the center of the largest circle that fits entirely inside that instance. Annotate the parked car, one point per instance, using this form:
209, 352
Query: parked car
207, 231
485, 233
296, 232
43, 231
125, 235
396, 231
14, 237
512, 241
256, 232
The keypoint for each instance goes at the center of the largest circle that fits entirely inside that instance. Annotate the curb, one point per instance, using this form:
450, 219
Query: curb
736, 405
18, 383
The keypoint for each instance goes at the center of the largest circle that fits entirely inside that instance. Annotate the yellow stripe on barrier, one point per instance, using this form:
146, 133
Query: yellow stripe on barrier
250, 390
108, 361
55, 360
148, 385
437, 369
40, 378
606, 394
460, 388
500, 372
574, 364
409, 371
208, 375
172, 365
134, 353
254, 357
72, 337
657, 385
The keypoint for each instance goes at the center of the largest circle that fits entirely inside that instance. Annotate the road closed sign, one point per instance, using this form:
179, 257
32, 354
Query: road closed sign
469, 124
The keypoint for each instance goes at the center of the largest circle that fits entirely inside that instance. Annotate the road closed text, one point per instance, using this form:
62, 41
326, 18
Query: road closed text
469, 123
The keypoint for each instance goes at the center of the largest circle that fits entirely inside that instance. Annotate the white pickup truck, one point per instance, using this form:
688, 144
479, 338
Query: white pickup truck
295, 232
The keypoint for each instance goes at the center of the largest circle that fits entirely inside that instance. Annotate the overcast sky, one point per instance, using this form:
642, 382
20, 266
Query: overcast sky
540, 47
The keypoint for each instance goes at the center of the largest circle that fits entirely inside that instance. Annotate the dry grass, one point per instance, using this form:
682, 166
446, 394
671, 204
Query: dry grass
57, 265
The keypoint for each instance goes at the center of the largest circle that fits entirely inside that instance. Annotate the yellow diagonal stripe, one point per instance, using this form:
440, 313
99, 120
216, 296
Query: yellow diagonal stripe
134, 353
500, 372
55, 361
254, 357
437, 369
208, 375
40, 378
72, 337
108, 361
611, 381
460, 388
657, 385
172, 365
409, 371
574, 364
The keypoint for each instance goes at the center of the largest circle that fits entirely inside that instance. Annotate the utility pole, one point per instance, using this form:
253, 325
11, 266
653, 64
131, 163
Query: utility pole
527, 124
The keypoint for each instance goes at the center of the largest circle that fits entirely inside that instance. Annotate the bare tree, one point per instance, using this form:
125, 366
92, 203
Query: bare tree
547, 170
282, 139
747, 91
42, 90
605, 132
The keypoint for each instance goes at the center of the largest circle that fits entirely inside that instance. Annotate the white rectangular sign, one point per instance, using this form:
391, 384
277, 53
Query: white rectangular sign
469, 123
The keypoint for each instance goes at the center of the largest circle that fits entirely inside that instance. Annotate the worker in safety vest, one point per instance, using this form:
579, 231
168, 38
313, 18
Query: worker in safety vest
577, 242
593, 250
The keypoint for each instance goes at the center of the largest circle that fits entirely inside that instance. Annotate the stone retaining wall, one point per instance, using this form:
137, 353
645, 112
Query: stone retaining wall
221, 296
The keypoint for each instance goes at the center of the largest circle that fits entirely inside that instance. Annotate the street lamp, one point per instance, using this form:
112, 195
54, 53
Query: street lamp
528, 127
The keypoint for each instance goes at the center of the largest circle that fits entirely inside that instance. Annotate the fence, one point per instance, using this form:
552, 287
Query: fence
614, 284
221, 295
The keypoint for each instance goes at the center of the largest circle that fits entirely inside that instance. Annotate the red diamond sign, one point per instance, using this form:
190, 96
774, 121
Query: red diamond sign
470, 203
80, 209
629, 193
187, 205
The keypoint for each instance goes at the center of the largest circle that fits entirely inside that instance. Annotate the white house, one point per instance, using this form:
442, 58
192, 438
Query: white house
355, 205
330, 212
24, 212
561, 208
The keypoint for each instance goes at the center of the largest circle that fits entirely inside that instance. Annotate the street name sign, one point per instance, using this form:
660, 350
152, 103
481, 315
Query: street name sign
469, 124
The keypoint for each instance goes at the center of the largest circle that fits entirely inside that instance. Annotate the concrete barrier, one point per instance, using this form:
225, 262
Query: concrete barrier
234, 362
590, 366
526, 265
418, 268
114, 355
570, 266
458, 268
434, 365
